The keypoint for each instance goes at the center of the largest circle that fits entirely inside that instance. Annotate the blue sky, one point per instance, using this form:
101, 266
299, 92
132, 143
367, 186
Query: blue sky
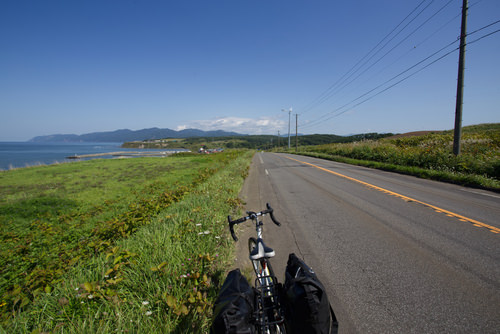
87, 66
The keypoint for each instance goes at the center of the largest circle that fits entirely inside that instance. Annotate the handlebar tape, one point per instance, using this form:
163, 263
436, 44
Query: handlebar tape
272, 215
231, 224
241, 220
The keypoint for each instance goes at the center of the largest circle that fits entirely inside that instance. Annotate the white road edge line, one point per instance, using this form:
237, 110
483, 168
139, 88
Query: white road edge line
479, 193
267, 173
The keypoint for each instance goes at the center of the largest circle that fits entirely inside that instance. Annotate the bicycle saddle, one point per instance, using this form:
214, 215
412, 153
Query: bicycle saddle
261, 251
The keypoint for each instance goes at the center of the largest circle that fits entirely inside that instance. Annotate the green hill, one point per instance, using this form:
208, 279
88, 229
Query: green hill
257, 142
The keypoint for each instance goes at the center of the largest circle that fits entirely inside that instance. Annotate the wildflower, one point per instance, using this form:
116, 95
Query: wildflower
91, 296
198, 224
183, 276
207, 232
145, 302
149, 313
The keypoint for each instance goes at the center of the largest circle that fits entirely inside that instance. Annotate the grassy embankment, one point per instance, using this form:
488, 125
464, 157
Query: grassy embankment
429, 156
135, 245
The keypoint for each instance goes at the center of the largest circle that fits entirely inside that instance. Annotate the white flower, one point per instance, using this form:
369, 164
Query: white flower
149, 313
145, 302
91, 296
198, 224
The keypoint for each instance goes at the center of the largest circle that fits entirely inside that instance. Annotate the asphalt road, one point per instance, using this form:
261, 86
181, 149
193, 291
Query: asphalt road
397, 254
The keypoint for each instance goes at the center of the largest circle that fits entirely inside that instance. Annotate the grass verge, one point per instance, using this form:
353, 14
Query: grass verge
469, 180
429, 156
161, 276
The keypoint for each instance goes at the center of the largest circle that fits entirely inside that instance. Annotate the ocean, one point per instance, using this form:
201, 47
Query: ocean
26, 154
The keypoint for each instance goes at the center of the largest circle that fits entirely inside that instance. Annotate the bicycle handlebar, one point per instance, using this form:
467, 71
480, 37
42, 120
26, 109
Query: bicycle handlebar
251, 215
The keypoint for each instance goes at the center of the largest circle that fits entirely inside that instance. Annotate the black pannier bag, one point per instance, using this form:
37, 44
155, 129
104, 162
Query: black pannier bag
307, 309
234, 307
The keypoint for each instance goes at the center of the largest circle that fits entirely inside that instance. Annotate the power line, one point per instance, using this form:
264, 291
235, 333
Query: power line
320, 98
413, 48
391, 86
323, 119
387, 81
383, 56
330, 92
486, 26
398, 44
484, 36
347, 78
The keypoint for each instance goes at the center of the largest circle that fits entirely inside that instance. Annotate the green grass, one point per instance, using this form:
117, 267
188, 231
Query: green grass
430, 156
144, 250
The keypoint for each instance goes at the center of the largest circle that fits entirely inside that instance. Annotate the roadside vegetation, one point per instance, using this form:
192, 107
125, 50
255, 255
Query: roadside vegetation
428, 156
136, 245
255, 142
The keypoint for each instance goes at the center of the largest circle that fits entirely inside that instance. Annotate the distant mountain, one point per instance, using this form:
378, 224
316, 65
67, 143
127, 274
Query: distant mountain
124, 135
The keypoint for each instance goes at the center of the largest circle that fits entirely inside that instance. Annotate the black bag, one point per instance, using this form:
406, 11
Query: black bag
234, 307
307, 309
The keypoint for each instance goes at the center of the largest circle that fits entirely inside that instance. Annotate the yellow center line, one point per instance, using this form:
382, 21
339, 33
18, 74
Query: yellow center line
406, 198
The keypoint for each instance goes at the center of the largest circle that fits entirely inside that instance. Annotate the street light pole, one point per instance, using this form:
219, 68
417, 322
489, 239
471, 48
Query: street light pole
296, 132
289, 114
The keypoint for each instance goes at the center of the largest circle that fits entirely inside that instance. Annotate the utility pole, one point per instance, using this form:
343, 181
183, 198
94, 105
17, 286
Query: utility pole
296, 132
457, 135
278, 139
289, 113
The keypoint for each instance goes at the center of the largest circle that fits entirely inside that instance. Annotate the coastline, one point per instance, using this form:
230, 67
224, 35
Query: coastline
14, 155
125, 154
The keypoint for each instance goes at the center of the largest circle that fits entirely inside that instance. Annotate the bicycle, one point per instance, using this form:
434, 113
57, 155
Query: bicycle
268, 313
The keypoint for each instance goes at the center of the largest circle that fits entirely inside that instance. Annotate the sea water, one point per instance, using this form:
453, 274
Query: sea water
26, 154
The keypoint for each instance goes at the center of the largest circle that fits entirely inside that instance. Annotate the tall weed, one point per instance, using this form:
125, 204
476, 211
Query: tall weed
480, 154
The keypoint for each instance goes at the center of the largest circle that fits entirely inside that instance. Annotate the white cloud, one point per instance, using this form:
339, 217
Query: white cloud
251, 126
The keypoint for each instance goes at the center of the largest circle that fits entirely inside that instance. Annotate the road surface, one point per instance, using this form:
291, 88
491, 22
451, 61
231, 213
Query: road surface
397, 254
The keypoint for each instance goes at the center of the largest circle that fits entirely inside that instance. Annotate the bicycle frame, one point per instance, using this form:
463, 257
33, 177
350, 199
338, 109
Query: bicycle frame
268, 314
